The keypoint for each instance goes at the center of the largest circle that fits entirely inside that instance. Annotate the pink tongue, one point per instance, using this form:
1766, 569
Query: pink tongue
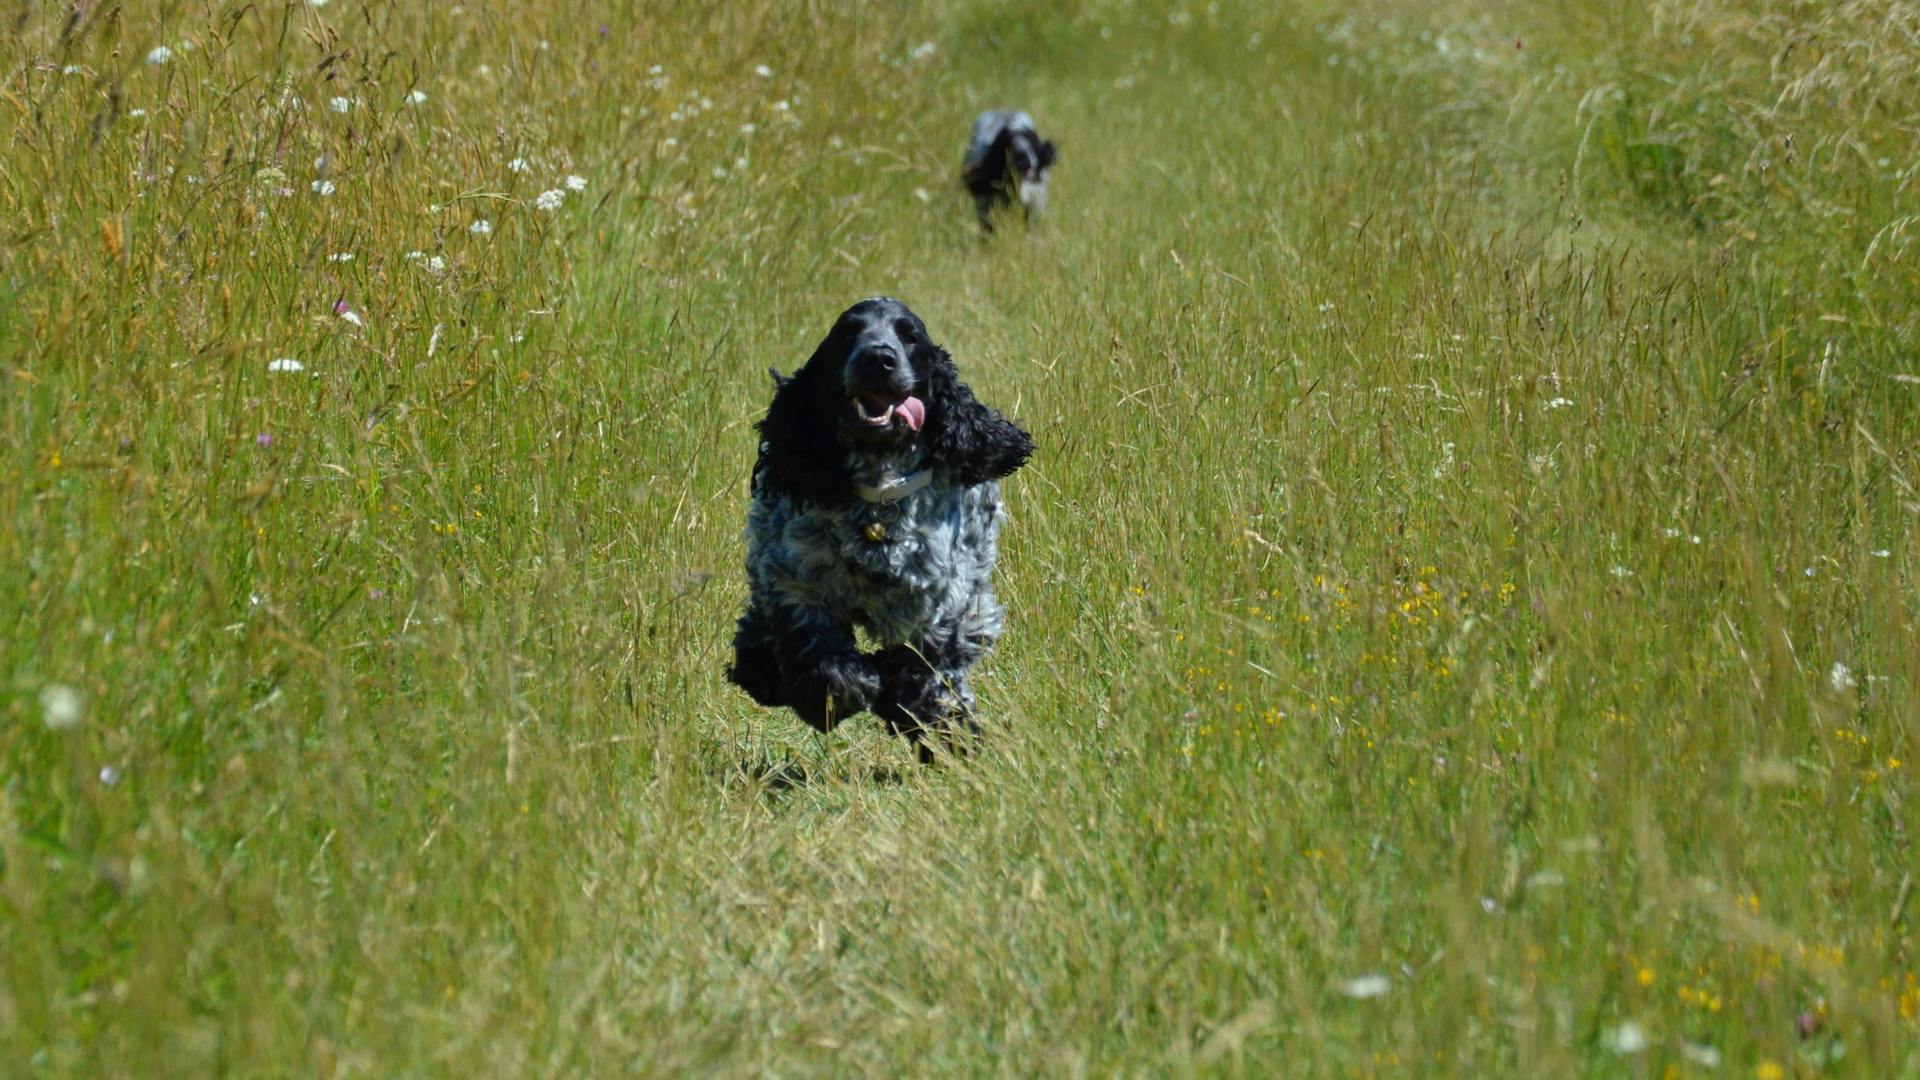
913, 411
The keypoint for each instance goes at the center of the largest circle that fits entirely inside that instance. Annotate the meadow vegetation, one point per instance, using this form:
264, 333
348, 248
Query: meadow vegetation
1462, 612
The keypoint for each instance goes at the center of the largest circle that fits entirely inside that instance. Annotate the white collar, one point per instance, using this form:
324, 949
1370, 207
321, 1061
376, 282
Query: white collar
895, 489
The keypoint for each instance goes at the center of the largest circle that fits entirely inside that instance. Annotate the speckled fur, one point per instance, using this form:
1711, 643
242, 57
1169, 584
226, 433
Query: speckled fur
923, 592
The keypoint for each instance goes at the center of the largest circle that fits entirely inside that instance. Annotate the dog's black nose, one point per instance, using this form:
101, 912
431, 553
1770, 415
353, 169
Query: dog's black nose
880, 360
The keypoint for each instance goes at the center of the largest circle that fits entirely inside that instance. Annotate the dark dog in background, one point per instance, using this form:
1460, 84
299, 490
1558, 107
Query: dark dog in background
875, 505
1007, 161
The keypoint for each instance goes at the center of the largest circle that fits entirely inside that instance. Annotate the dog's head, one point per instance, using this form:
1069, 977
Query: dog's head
1006, 149
878, 384
1029, 155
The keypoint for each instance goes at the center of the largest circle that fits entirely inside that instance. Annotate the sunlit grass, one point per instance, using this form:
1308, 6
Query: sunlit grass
1461, 614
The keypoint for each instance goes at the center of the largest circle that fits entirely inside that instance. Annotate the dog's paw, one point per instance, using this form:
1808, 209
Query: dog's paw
916, 702
836, 688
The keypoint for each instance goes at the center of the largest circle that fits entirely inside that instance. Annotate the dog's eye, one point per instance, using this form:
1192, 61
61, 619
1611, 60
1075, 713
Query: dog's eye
907, 334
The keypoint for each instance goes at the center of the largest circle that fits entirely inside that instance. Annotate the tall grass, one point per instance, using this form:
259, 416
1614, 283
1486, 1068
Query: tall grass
1462, 612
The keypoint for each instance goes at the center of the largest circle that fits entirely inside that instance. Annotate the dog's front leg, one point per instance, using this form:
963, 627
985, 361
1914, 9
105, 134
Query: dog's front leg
823, 677
925, 695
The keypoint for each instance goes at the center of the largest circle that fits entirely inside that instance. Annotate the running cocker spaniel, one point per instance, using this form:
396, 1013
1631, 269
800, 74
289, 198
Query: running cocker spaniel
875, 505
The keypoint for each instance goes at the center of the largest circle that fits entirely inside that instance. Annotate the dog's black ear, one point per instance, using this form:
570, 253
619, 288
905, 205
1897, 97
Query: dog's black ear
1047, 153
798, 452
966, 436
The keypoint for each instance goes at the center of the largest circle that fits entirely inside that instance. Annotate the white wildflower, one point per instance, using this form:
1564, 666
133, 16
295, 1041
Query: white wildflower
323, 188
656, 70
748, 128
160, 55
1560, 403
518, 165
1628, 1038
435, 264
136, 112
1841, 678
340, 257
1880, 553
719, 173
285, 363
1704, 1056
783, 105
353, 317
1364, 987
763, 71
483, 227
60, 706
923, 50
550, 200
484, 70
316, 3
109, 775
416, 97
414, 256
70, 69
340, 104
576, 183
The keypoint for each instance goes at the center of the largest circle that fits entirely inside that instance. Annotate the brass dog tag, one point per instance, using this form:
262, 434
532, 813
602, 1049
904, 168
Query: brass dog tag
874, 531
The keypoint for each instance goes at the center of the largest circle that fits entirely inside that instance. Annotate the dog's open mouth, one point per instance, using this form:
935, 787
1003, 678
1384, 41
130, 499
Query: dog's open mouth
878, 411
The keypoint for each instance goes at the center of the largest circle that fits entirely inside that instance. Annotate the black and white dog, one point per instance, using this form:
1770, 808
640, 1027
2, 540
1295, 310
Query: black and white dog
875, 505
1007, 160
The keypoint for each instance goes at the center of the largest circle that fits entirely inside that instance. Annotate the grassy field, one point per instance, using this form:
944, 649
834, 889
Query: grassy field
1462, 612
